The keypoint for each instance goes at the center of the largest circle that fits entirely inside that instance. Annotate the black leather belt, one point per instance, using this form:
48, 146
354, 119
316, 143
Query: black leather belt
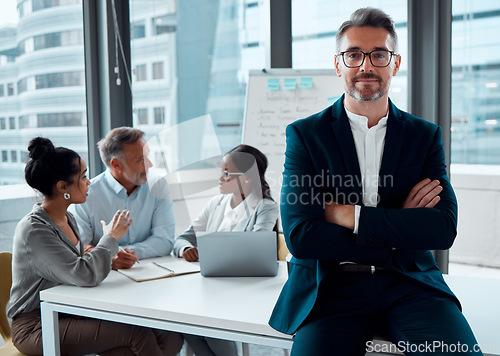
359, 268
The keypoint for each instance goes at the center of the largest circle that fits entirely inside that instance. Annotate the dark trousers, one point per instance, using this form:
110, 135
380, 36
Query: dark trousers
353, 307
81, 336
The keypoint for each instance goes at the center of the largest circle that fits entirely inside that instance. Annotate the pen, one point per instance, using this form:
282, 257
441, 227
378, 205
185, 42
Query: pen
168, 269
123, 250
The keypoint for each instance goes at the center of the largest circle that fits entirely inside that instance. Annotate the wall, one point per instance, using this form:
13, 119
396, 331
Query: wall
478, 192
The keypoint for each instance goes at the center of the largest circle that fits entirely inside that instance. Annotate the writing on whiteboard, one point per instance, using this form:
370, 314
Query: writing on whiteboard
277, 98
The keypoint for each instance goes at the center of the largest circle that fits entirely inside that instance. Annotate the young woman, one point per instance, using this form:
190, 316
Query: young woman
47, 252
245, 204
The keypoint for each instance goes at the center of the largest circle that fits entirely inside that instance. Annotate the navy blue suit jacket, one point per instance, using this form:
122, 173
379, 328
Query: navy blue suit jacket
321, 164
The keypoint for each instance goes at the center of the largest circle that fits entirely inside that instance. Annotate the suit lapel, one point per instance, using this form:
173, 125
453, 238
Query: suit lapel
343, 134
392, 149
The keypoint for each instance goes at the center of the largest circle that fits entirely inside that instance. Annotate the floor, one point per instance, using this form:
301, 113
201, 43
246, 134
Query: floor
460, 269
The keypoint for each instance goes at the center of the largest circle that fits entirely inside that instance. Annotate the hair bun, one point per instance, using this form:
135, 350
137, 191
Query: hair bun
39, 147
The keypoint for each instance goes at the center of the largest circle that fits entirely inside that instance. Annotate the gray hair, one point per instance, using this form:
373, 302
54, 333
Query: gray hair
112, 145
368, 16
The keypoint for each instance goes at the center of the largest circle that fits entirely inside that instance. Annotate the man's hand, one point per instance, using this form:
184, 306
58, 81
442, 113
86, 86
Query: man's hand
88, 248
190, 254
125, 258
424, 194
340, 214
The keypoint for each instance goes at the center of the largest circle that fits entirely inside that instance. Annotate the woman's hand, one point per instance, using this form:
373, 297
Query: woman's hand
190, 254
118, 226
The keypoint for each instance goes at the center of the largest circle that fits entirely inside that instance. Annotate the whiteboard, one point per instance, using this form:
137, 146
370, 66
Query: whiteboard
278, 97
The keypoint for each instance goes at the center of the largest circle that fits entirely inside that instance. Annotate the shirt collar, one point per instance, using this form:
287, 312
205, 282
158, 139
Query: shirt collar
115, 185
250, 201
361, 122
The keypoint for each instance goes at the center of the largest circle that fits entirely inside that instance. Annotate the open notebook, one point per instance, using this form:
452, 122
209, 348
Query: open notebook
147, 271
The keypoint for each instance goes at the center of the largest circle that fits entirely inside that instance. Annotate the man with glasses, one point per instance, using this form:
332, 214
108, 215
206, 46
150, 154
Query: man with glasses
362, 263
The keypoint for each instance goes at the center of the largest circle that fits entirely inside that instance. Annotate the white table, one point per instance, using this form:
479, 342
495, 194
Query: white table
221, 307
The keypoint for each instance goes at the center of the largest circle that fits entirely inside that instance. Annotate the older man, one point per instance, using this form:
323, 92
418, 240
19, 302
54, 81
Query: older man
124, 185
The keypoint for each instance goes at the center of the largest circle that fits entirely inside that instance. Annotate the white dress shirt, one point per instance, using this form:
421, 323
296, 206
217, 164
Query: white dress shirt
369, 144
241, 212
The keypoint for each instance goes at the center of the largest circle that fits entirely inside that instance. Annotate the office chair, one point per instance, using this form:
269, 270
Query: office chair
5, 283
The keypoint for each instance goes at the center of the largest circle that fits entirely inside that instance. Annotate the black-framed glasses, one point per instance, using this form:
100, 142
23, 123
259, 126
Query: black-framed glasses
227, 174
378, 58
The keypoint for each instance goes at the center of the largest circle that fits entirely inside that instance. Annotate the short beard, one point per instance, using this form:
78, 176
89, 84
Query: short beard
354, 93
357, 96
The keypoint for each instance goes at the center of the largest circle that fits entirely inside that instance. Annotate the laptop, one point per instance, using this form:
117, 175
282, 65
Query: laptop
238, 254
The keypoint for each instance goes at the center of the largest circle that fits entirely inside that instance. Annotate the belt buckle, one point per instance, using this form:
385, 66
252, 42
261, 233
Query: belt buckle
372, 269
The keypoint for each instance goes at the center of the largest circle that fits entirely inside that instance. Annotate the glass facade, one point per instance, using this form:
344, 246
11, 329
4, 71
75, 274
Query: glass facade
190, 58
315, 24
42, 79
58, 39
475, 82
198, 53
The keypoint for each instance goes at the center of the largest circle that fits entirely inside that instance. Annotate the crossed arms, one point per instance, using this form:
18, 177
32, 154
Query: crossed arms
425, 217
424, 194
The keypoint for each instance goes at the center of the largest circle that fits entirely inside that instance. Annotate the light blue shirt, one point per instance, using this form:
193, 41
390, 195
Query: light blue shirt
151, 233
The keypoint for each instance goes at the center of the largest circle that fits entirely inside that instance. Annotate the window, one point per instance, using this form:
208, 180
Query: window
60, 119
158, 70
22, 122
13, 156
54, 80
160, 160
475, 131
22, 86
43, 4
27, 27
161, 25
21, 48
475, 83
137, 30
315, 24
25, 68
10, 89
204, 67
142, 116
58, 39
159, 116
25, 8
140, 73
24, 156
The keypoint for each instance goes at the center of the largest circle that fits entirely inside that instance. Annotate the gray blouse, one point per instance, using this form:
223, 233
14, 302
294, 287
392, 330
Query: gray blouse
44, 257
